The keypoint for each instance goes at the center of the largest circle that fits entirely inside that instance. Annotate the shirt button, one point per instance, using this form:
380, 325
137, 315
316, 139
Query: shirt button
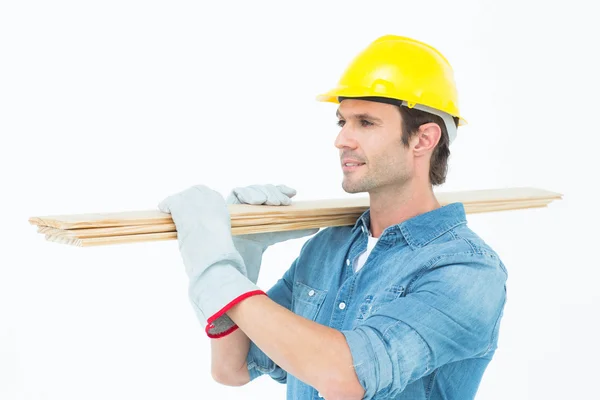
311, 293
342, 305
347, 261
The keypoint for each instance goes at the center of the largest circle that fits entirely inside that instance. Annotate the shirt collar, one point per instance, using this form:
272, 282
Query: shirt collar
423, 228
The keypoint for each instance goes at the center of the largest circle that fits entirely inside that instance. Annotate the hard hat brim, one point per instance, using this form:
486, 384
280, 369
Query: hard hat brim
333, 96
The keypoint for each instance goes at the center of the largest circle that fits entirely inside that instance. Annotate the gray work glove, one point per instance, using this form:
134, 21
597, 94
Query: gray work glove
252, 246
216, 270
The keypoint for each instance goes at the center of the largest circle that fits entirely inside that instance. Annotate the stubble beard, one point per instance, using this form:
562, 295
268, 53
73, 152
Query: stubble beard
352, 185
392, 175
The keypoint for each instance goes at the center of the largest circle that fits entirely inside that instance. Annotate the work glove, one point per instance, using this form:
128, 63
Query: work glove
252, 246
216, 270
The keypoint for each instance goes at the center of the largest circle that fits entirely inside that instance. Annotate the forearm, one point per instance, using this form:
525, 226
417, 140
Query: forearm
314, 353
228, 358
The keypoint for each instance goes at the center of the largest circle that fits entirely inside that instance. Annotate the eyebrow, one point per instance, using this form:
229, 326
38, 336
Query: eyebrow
360, 116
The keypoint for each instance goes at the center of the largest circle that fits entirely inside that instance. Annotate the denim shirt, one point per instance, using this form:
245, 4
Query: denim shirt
421, 317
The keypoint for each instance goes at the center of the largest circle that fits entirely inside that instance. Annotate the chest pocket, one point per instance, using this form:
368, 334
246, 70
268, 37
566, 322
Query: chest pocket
372, 303
307, 301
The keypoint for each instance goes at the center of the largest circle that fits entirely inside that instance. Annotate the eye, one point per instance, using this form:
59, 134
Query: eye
341, 123
365, 123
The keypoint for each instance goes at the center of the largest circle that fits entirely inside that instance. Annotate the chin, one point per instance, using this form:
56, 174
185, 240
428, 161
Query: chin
349, 187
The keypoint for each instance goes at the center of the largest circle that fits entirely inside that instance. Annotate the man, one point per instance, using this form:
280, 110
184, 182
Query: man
405, 304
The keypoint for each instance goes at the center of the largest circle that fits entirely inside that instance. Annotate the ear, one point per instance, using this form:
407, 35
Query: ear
427, 138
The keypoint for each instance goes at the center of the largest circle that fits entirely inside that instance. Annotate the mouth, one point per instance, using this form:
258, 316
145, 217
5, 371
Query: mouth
349, 167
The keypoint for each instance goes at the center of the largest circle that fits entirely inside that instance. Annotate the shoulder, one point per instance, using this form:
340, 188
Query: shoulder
462, 266
461, 246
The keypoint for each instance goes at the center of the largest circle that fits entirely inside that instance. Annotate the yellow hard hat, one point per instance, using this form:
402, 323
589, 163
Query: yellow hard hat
403, 69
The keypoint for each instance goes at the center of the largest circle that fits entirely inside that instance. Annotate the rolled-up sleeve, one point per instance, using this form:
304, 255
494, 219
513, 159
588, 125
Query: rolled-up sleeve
450, 313
258, 362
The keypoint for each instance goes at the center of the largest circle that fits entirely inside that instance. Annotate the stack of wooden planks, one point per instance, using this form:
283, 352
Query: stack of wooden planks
85, 230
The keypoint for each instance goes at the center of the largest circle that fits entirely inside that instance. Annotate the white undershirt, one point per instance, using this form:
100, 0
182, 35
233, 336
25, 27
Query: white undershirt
372, 241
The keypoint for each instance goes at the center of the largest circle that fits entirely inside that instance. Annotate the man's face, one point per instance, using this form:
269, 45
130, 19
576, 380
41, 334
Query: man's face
371, 136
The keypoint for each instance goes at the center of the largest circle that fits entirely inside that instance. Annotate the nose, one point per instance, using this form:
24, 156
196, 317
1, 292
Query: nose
345, 139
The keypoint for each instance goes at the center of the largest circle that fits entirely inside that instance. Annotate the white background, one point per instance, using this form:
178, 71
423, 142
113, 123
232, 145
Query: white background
114, 105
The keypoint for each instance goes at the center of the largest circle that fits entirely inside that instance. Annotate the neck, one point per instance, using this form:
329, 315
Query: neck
393, 205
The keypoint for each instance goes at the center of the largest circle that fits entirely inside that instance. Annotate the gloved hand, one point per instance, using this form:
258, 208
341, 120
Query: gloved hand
215, 268
252, 246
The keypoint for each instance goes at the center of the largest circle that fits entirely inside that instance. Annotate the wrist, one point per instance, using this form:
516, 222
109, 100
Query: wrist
220, 287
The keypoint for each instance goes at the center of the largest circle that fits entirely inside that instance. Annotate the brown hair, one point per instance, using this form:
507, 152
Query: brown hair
412, 119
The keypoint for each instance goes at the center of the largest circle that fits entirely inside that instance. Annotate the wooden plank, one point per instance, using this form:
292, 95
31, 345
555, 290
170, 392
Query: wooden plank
56, 235
139, 229
69, 237
129, 230
310, 208
170, 227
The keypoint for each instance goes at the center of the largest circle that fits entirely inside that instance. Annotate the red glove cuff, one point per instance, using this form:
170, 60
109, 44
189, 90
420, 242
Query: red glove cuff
223, 310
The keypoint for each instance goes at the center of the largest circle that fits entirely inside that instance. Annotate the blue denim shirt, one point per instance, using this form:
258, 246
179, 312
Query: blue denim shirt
421, 317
